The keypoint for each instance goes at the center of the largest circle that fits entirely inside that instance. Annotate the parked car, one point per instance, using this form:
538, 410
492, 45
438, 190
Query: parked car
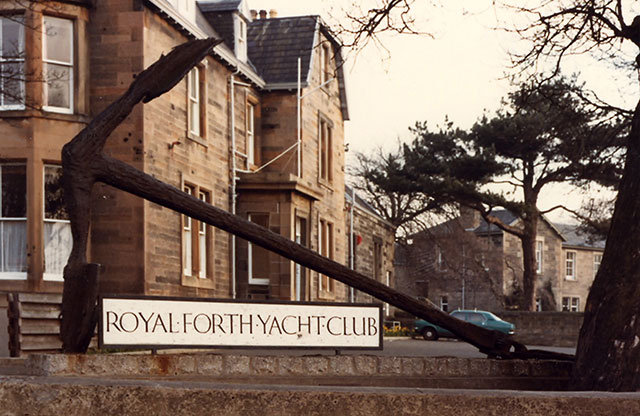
484, 319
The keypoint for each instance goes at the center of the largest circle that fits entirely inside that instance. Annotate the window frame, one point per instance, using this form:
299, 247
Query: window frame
444, 303
571, 304
326, 248
197, 262
187, 237
199, 99
204, 245
573, 263
14, 275
250, 278
539, 255
241, 39
194, 101
250, 131
14, 60
71, 65
55, 277
597, 261
325, 145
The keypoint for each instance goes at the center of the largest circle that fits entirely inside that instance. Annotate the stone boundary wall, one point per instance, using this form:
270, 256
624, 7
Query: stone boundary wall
558, 329
91, 396
365, 370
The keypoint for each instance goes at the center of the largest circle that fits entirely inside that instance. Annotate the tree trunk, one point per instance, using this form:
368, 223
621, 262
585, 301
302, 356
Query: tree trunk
529, 274
608, 354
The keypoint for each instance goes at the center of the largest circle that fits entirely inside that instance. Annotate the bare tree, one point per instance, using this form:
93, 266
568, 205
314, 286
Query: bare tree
408, 211
608, 355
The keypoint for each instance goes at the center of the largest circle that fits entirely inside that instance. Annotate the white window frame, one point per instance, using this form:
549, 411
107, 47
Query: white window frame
194, 108
13, 60
10, 275
251, 139
444, 303
187, 237
203, 236
571, 265
597, 261
241, 38
571, 304
54, 277
253, 280
539, 255
70, 65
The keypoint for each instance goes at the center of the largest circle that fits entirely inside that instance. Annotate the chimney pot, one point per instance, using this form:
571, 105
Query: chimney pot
263, 14
254, 14
273, 13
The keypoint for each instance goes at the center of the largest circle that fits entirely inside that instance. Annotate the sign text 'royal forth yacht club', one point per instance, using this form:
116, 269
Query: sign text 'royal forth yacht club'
195, 323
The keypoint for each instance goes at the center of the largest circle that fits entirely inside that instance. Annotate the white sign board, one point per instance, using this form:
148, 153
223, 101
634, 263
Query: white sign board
170, 323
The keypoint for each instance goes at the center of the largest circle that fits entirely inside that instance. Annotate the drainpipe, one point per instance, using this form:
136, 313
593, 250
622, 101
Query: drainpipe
233, 185
299, 115
352, 297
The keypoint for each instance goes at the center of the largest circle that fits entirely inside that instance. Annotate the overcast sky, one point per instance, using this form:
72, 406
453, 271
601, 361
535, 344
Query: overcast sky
457, 73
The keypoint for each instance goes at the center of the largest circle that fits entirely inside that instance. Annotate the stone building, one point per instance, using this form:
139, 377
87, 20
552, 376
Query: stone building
371, 246
467, 263
256, 128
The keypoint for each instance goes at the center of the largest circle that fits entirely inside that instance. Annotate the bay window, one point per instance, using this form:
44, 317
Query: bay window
13, 221
11, 63
57, 54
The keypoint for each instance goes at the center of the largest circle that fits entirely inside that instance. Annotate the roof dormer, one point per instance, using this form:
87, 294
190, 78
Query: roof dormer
230, 19
186, 8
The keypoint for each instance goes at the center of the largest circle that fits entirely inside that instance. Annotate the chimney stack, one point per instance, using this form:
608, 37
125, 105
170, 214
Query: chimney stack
273, 13
254, 14
263, 14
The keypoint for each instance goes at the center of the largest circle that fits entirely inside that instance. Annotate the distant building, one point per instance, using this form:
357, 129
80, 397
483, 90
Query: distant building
467, 263
371, 250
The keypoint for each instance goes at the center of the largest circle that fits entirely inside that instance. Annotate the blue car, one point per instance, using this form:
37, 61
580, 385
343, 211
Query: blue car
484, 319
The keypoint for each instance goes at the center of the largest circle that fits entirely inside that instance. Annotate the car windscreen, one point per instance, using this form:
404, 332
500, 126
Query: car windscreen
492, 316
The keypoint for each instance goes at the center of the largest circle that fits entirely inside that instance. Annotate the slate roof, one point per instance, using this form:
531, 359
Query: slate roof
220, 19
276, 44
503, 215
577, 239
219, 5
348, 192
570, 233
